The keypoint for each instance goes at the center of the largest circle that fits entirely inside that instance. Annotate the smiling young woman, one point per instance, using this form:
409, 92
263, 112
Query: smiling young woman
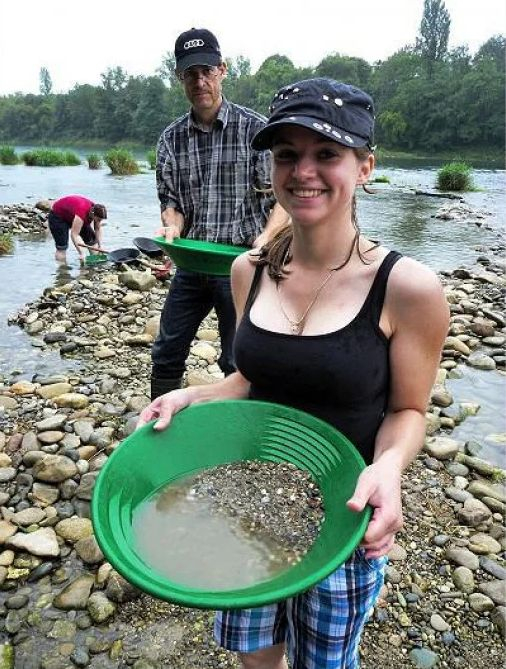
334, 324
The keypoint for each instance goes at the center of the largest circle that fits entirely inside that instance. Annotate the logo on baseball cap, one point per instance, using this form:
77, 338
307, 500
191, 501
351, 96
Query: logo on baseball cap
196, 46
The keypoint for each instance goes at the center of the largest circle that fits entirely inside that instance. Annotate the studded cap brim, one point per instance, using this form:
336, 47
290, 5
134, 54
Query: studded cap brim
264, 138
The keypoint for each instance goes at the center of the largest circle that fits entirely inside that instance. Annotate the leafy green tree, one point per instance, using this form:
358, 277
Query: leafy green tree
238, 67
274, 72
494, 50
434, 33
393, 125
150, 116
167, 70
345, 68
46, 84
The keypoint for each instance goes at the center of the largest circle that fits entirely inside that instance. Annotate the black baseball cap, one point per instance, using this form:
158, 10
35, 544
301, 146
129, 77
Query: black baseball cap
340, 112
196, 46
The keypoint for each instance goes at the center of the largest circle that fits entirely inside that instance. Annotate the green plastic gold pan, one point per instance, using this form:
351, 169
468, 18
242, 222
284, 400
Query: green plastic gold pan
202, 257
212, 434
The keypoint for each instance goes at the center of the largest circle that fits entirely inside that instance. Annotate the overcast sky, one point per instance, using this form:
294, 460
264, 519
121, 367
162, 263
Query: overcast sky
78, 41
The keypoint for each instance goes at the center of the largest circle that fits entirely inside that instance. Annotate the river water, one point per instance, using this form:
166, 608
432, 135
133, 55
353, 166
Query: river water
394, 215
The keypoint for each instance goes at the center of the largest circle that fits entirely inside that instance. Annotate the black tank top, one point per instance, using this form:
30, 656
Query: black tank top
341, 377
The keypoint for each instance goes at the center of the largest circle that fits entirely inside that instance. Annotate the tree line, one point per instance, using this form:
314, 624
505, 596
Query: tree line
427, 97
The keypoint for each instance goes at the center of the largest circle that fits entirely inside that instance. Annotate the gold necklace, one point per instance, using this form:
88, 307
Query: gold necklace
297, 326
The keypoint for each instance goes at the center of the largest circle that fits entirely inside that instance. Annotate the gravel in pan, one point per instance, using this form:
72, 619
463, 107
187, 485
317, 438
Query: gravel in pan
274, 500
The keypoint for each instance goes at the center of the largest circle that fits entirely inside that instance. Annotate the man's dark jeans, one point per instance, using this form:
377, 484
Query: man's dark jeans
191, 297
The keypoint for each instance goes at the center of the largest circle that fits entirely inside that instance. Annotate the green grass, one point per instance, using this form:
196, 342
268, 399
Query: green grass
6, 244
8, 156
121, 162
151, 158
454, 177
94, 161
49, 158
381, 179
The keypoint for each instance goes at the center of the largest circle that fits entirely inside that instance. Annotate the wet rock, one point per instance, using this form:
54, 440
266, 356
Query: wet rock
88, 550
42, 542
76, 594
100, 608
119, 589
481, 361
493, 567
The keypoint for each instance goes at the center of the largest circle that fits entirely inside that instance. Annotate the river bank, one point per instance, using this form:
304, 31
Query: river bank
61, 604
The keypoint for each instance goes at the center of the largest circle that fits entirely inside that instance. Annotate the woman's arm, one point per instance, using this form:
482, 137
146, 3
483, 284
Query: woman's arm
234, 386
75, 235
418, 317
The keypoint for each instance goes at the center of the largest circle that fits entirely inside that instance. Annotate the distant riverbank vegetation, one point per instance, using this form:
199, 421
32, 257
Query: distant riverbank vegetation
429, 99
49, 158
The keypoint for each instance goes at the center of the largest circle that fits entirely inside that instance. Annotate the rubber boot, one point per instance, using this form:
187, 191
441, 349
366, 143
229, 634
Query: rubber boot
161, 385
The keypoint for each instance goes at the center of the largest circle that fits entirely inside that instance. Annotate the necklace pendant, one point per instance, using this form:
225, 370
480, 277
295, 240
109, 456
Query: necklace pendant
295, 328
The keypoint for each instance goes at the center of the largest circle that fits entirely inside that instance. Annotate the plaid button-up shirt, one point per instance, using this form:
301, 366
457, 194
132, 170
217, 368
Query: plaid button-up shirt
214, 177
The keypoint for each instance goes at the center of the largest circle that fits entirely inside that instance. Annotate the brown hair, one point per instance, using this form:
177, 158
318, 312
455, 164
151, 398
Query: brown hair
275, 254
99, 210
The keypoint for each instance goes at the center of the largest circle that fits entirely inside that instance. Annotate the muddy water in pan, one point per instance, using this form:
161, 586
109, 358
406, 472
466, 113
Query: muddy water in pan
185, 538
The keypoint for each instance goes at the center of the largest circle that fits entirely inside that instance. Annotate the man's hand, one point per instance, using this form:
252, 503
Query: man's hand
173, 222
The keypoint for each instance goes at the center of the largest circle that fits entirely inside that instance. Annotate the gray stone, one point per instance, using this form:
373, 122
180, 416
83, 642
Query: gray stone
76, 594
100, 608
88, 550
73, 529
423, 658
493, 568
473, 512
480, 602
54, 469
442, 448
42, 542
481, 361
496, 590
498, 617
44, 494
51, 423
463, 579
462, 557
483, 544
119, 589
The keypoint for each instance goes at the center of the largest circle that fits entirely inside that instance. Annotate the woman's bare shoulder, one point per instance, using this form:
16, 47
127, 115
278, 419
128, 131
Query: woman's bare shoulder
415, 294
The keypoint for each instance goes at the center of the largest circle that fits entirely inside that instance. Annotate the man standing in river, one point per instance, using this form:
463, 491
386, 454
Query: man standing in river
212, 186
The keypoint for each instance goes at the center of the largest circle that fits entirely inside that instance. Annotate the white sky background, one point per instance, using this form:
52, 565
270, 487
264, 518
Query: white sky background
76, 42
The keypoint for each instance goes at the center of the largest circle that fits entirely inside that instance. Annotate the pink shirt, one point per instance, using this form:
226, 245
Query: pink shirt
72, 205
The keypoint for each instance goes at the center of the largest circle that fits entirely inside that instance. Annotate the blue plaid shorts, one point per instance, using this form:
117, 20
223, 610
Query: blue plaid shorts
321, 627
